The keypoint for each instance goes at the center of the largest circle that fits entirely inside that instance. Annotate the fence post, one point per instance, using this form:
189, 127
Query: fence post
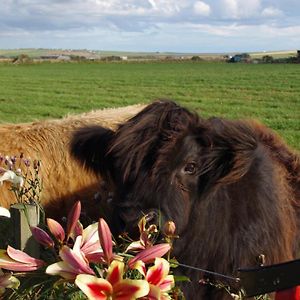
22, 217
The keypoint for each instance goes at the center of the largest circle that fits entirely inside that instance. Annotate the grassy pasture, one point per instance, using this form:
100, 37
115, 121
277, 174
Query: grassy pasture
270, 93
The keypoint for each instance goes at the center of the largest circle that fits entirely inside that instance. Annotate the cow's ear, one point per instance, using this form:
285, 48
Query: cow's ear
236, 149
232, 152
89, 145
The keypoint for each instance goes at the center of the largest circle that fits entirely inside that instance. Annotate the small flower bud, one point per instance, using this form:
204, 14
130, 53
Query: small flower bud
26, 162
36, 164
7, 161
169, 229
13, 159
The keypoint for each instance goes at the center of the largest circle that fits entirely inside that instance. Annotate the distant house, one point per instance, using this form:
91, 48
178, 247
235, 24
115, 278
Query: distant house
49, 57
244, 57
64, 57
56, 57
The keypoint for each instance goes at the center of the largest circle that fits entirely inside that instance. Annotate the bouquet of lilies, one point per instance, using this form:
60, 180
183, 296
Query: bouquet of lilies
85, 257
86, 262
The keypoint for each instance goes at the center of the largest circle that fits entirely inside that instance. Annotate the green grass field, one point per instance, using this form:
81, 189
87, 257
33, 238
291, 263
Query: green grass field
270, 93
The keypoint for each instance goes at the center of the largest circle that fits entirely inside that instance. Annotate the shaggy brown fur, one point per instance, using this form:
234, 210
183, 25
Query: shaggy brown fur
64, 179
232, 187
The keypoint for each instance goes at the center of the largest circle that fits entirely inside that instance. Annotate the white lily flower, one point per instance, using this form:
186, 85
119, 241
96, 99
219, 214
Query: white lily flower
4, 212
11, 176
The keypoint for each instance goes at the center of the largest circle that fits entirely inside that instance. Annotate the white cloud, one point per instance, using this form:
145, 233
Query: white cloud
271, 12
146, 24
238, 9
201, 8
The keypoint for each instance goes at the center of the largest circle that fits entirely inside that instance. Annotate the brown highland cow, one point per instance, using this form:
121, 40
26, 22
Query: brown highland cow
64, 179
231, 187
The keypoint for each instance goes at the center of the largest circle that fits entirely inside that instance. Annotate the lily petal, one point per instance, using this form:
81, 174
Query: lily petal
78, 230
135, 246
154, 293
91, 245
157, 273
148, 255
94, 288
56, 229
167, 284
42, 237
115, 272
105, 238
22, 257
76, 260
90, 233
92, 252
62, 269
73, 263
142, 224
129, 289
140, 266
16, 260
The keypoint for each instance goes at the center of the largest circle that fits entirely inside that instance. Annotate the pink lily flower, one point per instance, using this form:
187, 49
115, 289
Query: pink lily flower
90, 244
87, 239
17, 260
56, 229
114, 286
42, 237
145, 236
148, 255
73, 262
94, 249
105, 240
8, 281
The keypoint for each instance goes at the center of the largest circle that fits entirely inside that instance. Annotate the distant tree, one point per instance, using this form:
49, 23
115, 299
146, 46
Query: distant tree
196, 58
22, 59
267, 59
245, 55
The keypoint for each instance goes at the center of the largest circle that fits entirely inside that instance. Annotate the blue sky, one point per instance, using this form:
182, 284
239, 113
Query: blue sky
151, 25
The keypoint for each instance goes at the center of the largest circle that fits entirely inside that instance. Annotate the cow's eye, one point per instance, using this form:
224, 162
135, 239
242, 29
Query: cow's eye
190, 168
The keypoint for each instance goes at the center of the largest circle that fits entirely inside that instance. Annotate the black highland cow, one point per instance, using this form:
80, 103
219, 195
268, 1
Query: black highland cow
231, 187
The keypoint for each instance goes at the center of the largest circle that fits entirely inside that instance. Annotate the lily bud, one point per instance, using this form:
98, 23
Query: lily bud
73, 218
56, 229
42, 237
169, 229
148, 255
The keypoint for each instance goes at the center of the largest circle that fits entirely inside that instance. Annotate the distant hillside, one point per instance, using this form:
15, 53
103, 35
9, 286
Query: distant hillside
35, 53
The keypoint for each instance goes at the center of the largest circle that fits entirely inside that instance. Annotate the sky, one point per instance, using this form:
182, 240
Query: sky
208, 26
